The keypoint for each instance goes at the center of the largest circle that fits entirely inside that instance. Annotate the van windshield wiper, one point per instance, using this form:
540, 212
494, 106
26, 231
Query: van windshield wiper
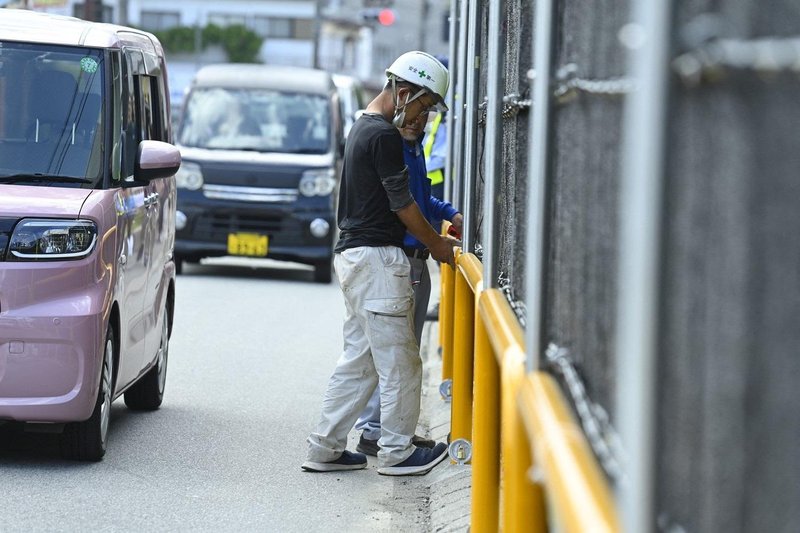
249, 149
37, 177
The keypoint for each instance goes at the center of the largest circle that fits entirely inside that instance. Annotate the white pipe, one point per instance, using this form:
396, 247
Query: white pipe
538, 165
457, 136
450, 160
641, 202
471, 72
494, 136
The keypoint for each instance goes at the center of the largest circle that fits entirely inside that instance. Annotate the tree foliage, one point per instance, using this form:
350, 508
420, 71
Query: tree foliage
241, 44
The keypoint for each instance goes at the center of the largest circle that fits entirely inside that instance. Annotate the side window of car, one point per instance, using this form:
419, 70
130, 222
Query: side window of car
142, 116
145, 108
130, 117
151, 109
116, 118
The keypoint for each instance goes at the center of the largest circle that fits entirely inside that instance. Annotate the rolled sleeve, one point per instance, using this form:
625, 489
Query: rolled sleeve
397, 190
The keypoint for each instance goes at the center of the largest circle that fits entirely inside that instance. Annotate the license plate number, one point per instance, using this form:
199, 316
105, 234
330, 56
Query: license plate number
250, 244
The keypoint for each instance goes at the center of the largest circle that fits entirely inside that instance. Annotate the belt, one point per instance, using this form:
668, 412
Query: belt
416, 253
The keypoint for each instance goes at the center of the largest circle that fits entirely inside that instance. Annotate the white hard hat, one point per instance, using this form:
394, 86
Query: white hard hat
424, 70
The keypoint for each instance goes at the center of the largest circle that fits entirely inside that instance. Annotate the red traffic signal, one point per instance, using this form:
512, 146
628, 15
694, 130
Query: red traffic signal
386, 17
383, 16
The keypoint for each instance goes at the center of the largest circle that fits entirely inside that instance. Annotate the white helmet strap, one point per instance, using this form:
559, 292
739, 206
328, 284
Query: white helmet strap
400, 110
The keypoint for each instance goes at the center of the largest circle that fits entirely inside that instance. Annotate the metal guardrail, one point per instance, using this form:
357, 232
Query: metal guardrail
528, 453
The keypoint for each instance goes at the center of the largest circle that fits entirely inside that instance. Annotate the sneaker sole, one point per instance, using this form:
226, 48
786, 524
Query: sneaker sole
420, 470
309, 466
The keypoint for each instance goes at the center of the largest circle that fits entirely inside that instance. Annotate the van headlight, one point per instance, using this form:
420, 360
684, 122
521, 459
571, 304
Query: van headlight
317, 182
46, 239
189, 176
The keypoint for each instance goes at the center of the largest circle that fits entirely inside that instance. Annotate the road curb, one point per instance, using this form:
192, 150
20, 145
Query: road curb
449, 484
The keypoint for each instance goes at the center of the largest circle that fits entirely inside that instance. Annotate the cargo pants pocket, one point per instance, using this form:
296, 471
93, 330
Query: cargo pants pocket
389, 321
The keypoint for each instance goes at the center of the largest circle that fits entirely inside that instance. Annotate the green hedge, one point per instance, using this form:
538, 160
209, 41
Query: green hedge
241, 45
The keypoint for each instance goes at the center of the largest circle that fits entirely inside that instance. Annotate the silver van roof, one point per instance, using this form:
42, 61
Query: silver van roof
258, 76
34, 27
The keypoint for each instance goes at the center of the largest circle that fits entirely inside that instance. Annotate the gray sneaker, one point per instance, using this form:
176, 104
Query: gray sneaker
346, 461
433, 314
370, 447
418, 463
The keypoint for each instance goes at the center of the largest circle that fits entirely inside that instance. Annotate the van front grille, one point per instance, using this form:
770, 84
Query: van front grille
216, 226
249, 194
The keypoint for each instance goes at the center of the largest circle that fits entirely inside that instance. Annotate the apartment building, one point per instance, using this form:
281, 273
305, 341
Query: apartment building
337, 35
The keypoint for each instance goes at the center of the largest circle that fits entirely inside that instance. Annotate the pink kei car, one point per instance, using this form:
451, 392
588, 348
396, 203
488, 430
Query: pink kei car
87, 225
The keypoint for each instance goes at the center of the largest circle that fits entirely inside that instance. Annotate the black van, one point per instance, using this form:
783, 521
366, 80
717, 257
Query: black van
261, 148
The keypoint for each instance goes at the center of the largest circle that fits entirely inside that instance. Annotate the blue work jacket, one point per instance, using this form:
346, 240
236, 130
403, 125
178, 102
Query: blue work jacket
433, 209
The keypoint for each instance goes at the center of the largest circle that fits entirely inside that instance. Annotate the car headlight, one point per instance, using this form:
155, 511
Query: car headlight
317, 182
189, 176
52, 239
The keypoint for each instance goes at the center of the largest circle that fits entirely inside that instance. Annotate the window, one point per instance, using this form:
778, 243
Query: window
160, 20
116, 117
272, 27
223, 19
150, 109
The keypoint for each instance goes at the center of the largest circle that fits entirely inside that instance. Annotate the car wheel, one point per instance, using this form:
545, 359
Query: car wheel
148, 393
322, 272
86, 441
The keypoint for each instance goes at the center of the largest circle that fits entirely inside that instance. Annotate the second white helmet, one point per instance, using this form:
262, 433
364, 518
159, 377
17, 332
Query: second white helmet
423, 70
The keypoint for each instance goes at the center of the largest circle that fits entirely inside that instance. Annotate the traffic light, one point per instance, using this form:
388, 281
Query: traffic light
382, 15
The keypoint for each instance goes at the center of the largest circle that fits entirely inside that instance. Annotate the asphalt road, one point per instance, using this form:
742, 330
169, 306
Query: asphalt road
250, 355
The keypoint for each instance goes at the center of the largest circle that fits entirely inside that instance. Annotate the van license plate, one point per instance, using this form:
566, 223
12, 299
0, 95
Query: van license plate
250, 244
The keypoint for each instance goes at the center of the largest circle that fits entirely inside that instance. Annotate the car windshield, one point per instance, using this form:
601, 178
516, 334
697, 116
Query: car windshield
50, 120
256, 119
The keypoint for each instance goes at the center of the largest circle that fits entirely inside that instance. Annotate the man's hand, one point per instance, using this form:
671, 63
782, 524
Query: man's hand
441, 247
442, 251
458, 223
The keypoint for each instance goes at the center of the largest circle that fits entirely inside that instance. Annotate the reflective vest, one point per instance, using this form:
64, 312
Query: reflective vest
436, 176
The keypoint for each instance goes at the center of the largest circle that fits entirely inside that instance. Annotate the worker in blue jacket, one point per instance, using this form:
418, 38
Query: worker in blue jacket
433, 209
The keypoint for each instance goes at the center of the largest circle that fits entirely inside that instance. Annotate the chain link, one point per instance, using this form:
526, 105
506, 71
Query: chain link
602, 437
570, 85
710, 61
512, 105
478, 251
518, 306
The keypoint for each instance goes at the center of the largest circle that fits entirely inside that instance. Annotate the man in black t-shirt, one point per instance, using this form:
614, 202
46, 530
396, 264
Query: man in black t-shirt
375, 210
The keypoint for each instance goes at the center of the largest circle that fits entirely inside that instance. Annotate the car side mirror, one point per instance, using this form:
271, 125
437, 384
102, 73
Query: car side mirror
156, 159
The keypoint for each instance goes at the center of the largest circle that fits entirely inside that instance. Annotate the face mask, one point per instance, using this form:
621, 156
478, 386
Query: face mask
400, 116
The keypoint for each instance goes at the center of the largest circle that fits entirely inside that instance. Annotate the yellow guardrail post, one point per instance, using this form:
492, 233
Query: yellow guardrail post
580, 495
469, 282
446, 306
485, 432
523, 506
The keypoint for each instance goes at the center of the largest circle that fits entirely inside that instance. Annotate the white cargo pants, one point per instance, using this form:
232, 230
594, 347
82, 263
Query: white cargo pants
369, 422
379, 347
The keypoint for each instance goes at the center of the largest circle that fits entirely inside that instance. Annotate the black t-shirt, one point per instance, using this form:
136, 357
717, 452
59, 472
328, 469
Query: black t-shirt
373, 164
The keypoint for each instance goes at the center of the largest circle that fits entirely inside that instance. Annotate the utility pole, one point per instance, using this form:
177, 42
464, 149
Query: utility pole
93, 10
317, 32
424, 14
122, 13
